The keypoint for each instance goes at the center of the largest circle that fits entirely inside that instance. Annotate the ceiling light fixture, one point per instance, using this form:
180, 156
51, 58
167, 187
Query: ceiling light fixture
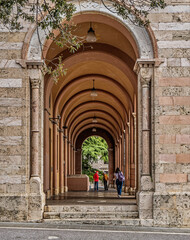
94, 120
91, 37
93, 92
93, 129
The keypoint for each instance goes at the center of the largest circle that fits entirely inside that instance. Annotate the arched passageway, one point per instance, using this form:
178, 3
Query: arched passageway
108, 64
110, 142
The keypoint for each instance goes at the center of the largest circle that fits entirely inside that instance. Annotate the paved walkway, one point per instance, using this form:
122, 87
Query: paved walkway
100, 197
44, 231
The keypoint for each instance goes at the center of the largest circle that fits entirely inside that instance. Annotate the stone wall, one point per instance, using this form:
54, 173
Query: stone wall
14, 124
171, 122
171, 199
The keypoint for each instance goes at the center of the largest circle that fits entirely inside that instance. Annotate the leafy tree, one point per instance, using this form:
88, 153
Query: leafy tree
93, 148
48, 15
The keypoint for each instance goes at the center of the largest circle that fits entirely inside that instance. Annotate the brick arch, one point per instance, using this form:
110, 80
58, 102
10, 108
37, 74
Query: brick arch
142, 39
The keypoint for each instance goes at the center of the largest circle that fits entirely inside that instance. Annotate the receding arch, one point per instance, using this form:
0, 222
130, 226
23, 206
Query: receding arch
95, 103
98, 114
101, 123
84, 134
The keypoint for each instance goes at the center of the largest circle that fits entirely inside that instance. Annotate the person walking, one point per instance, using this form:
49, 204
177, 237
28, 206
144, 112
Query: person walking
105, 179
96, 179
119, 181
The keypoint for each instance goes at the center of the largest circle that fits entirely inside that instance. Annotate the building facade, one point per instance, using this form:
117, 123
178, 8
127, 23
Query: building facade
142, 78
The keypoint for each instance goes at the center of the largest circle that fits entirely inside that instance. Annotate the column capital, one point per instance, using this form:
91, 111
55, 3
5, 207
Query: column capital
146, 76
134, 115
30, 64
34, 64
35, 82
128, 124
144, 67
147, 63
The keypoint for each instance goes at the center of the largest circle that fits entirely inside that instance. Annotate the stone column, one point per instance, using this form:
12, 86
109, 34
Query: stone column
145, 72
36, 199
68, 158
111, 166
71, 158
74, 158
131, 152
61, 162
78, 161
127, 168
135, 149
55, 160
65, 160
47, 156
35, 84
122, 152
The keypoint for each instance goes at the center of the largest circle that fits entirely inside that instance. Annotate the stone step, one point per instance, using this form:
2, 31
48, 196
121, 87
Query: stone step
91, 208
112, 221
90, 215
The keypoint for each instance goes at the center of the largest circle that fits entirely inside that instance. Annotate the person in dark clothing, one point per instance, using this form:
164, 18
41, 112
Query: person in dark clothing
105, 179
119, 181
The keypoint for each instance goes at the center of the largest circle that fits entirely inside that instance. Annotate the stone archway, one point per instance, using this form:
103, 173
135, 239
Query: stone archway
62, 137
108, 138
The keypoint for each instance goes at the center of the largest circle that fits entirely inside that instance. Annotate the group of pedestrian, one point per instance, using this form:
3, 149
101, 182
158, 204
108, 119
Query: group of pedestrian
119, 178
96, 179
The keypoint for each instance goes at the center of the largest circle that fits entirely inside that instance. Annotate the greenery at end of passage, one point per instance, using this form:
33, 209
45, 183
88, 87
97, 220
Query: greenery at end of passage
93, 148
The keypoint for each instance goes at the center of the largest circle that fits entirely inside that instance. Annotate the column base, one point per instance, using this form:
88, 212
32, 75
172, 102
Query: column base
56, 192
36, 200
65, 189
145, 202
146, 183
62, 190
48, 194
126, 189
172, 209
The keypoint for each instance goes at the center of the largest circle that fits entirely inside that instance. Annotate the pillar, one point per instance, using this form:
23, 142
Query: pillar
61, 162
78, 161
65, 160
132, 172
55, 160
145, 73
135, 150
47, 156
127, 168
36, 197
122, 152
111, 166
35, 83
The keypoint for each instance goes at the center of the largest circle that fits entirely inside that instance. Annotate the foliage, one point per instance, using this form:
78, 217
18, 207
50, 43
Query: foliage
48, 15
93, 148
137, 10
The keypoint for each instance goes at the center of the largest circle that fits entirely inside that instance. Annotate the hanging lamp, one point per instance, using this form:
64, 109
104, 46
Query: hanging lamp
91, 37
93, 91
94, 120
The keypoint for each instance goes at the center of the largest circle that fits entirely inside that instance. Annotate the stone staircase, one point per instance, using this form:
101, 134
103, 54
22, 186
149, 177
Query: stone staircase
92, 214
